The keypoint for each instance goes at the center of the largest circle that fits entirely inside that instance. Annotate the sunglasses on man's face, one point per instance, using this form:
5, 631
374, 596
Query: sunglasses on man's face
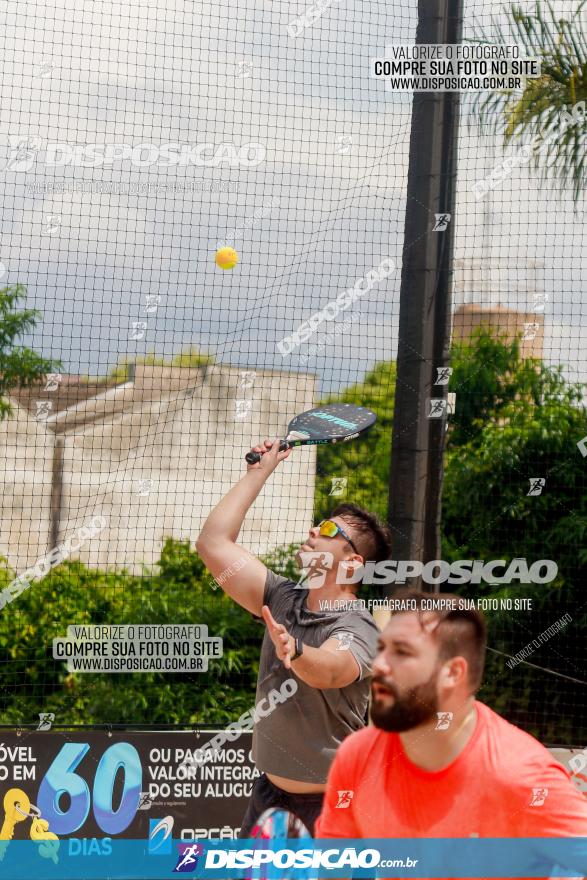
330, 529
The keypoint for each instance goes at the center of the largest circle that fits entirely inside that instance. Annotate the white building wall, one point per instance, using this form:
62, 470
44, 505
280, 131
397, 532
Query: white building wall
26, 462
191, 449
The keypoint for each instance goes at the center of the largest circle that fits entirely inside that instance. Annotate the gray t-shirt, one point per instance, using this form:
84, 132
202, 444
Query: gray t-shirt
299, 738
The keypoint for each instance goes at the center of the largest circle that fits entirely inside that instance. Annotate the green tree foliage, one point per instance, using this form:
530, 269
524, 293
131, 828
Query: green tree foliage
488, 375
182, 591
517, 420
19, 366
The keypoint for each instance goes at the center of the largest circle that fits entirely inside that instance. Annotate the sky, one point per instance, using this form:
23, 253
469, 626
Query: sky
324, 205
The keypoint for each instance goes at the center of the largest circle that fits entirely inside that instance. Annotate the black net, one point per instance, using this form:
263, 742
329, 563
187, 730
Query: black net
140, 144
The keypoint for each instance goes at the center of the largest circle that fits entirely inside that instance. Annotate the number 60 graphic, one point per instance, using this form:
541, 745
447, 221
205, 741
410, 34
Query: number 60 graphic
61, 779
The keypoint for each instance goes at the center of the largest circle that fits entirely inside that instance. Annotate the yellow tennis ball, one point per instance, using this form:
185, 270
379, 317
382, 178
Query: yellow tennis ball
226, 258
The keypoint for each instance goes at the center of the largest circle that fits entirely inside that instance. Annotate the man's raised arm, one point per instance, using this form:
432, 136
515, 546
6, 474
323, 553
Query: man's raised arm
240, 574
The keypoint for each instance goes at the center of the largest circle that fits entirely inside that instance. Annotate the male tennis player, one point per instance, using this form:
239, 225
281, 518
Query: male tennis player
311, 639
437, 762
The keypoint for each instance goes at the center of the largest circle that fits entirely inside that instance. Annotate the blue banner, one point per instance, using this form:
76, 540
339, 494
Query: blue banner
302, 859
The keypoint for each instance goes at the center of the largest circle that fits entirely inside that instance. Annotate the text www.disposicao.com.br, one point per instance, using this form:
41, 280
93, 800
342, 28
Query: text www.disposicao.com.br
136, 664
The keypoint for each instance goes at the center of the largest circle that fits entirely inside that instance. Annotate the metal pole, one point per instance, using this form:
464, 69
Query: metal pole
56, 493
425, 306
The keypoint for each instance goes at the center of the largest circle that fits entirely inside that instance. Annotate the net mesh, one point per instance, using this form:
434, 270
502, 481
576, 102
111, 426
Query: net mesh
138, 140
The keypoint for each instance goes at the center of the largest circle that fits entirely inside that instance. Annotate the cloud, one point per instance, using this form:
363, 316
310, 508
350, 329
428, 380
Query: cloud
336, 162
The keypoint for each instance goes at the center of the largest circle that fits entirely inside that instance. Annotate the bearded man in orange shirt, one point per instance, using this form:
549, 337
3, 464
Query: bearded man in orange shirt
437, 763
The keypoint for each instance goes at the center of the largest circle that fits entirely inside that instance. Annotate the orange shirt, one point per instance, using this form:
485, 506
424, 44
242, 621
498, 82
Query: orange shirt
492, 789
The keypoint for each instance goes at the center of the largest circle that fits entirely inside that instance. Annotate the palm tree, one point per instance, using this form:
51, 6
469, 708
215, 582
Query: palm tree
544, 109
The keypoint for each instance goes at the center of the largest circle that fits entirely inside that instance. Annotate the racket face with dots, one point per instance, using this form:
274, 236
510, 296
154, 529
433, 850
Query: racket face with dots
275, 826
333, 423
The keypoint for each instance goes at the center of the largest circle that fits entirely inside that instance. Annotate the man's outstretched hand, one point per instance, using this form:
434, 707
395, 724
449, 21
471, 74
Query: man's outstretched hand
270, 456
284, 643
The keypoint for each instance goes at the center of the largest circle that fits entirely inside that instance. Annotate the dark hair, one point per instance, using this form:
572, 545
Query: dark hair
373, 536
462, 632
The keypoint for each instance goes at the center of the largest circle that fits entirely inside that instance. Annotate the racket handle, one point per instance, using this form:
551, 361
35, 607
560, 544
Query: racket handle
253, 457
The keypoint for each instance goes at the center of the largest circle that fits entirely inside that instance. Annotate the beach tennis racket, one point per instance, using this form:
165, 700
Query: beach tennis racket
271, 831
333, 423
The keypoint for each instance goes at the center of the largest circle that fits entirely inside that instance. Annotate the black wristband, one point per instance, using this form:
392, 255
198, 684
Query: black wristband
299, 649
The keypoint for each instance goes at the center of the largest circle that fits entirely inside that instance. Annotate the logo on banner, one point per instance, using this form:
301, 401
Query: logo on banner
145, 801
160, 836
46, 719
188, 857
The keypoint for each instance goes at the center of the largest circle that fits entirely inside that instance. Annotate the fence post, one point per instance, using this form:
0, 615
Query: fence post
425, 305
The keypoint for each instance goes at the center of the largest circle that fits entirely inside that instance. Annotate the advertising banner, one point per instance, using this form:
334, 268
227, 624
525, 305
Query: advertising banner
93, 786
133, 804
